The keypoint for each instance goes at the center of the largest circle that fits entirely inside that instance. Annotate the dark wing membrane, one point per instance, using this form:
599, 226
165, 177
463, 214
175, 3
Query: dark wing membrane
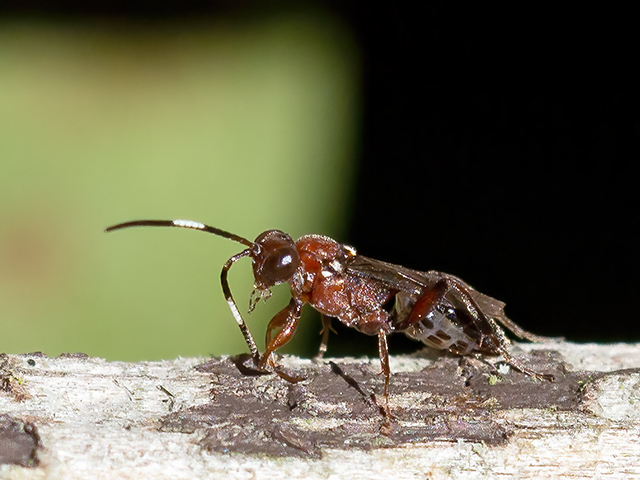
490, 306
404, 279
396, 277
414, 281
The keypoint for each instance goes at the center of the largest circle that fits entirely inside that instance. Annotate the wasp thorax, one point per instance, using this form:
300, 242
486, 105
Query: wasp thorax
275, 259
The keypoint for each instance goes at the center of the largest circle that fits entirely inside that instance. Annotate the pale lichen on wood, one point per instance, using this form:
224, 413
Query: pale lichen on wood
207, 418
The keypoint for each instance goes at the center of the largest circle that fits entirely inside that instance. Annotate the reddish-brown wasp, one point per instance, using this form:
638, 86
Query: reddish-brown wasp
374, 297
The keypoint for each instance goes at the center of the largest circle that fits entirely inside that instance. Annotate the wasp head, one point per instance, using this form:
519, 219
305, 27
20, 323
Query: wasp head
275, 259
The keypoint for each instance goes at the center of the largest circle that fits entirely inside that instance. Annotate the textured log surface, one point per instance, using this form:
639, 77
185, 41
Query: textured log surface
80, 417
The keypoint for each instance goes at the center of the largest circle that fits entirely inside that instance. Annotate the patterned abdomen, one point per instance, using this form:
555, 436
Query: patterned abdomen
444, 328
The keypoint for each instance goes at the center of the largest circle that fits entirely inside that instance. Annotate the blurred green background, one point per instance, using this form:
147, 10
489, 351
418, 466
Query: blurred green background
244, 122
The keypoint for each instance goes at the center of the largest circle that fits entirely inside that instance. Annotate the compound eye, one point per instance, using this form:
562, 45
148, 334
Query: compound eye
281, 264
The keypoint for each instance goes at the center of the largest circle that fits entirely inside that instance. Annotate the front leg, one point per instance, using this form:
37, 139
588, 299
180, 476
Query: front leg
280, 330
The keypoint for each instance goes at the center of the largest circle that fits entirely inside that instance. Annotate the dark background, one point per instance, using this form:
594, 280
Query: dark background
499, 145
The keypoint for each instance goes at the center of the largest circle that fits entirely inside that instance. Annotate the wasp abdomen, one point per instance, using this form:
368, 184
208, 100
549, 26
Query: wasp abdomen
441, 327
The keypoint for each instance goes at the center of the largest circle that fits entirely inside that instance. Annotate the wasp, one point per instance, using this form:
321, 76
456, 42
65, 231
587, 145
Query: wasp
372, 296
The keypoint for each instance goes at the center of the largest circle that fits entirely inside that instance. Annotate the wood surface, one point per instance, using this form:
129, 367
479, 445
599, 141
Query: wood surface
75, 417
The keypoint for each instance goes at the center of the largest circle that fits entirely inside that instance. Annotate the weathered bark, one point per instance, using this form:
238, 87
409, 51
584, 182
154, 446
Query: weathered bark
78, 417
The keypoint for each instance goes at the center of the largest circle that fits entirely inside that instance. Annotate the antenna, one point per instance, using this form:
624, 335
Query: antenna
249, 252
190, 224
